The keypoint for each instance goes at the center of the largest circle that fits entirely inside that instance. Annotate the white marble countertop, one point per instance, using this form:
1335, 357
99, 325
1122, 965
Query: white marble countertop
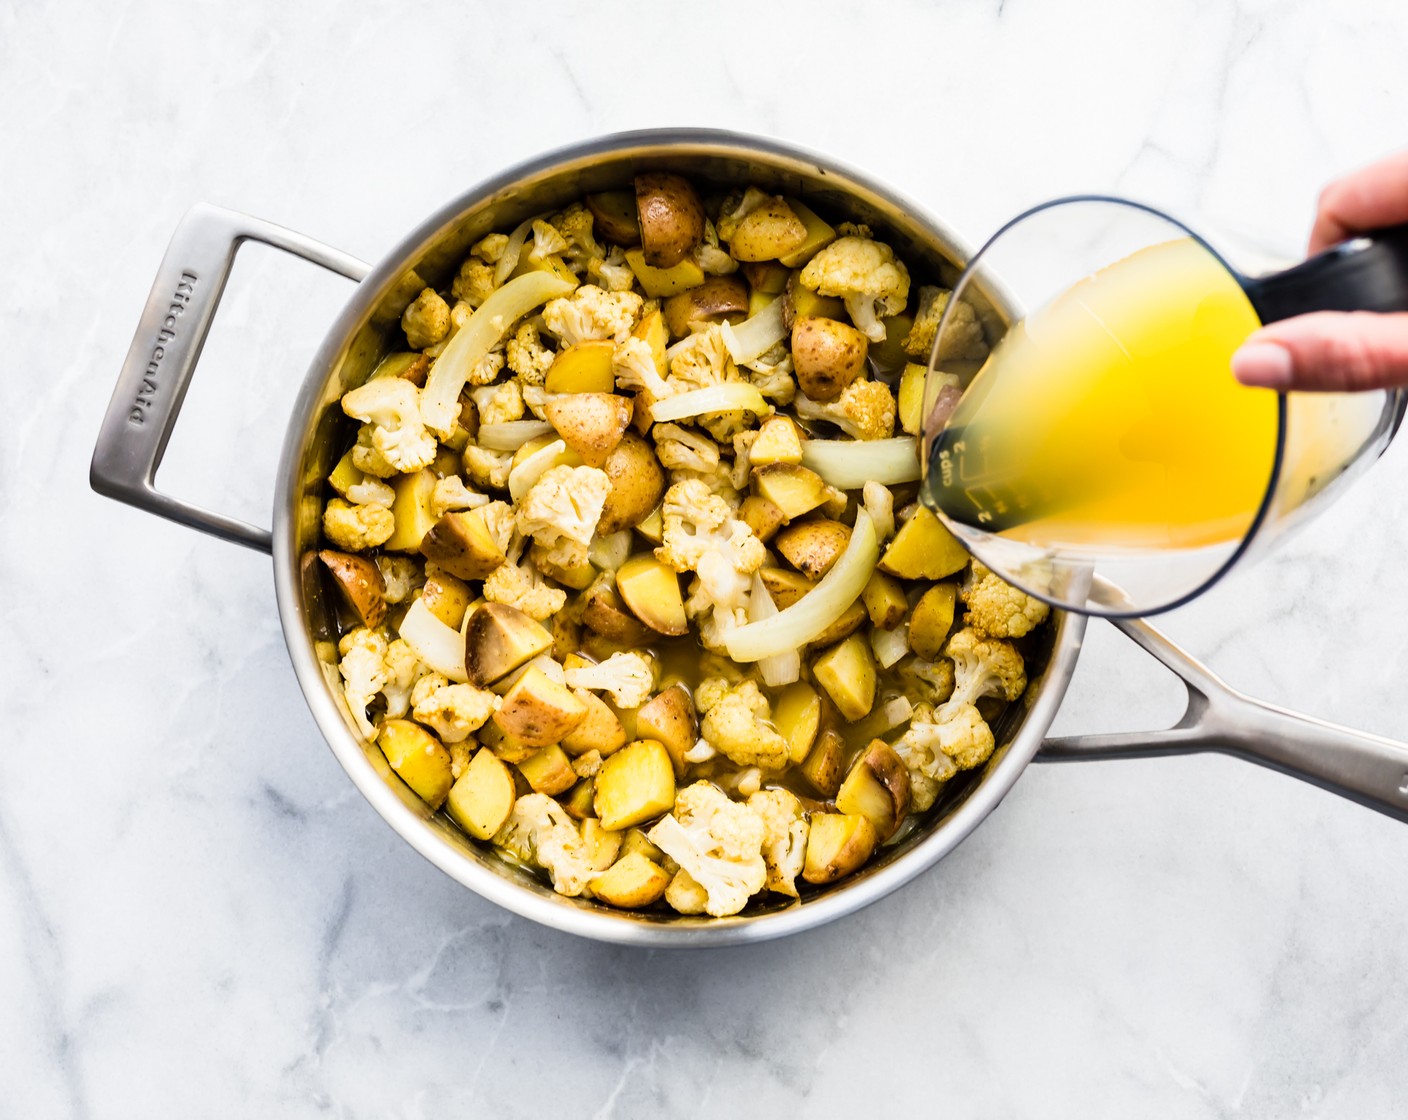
200, 916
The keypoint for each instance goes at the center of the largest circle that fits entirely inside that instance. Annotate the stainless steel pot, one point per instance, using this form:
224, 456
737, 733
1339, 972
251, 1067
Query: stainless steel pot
163, 357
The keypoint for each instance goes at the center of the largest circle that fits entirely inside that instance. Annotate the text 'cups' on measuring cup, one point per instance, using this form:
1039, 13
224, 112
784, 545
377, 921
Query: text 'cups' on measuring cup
1101, 455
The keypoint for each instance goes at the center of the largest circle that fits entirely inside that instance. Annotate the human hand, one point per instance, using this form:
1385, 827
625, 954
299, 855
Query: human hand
1338, 351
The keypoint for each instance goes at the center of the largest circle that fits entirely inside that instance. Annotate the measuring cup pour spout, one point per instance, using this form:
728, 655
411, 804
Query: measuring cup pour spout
1368, 273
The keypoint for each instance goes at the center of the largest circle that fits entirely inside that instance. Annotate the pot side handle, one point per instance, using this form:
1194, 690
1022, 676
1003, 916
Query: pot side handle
163, 357
1365, 768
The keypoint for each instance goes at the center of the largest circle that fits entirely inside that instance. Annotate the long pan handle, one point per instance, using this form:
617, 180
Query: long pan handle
1365, 768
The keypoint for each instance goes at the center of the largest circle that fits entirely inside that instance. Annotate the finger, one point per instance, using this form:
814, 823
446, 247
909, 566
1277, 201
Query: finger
1370, 198
1329, 351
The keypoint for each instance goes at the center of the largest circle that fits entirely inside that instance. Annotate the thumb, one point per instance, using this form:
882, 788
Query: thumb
1327, 351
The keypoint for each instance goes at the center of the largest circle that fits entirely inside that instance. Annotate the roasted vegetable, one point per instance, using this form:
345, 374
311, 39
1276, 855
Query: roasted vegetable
635, 784
671, 218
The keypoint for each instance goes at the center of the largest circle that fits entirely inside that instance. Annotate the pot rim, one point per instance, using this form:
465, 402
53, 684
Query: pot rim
562, 914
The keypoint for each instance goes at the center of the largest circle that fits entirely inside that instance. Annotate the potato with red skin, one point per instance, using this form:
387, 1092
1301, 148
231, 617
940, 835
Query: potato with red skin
671, 218
614, 217
360, 582
827, 356
716, 297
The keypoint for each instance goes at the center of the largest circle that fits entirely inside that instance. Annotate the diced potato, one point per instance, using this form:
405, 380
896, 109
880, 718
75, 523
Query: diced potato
761, 516
759, 301
461, 543
651, 590
604, 613
847, 672
770, 231
837, 844
652, 526
538, 710
785, 586
778, 441
447, 598
360, 582
614, 217
412, 509
668, 717
419, 759
549, 771
549, 262
889, 355
602, 844
635, 784
827, 356
482, 797
654, 333
851, 620
877, 788
797, 717
506, 747
600, 730
345, 475
932, 620
923, 549
824, 764
717, 297
635, 840
793, 489
885, 601
584, 367
671, 218
766, 277
812, 547
578, 803
499, 639
803, 303
911, 398
660, 283
577, 576
819, 236
633, 881
637, 482
591, 424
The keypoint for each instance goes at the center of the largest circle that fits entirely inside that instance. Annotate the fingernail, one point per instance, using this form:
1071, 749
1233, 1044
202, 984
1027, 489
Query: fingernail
1263, 365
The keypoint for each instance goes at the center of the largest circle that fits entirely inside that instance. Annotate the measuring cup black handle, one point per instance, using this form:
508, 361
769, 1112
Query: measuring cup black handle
1366, 273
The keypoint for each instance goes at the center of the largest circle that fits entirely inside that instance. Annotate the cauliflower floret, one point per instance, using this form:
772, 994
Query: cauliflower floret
864, 410
579, 244
736, 208
364, 673
486, 371
540, 832
718, 482
739, 724
588, 764
427, 320
371, 491
527, 356
491, 247
997, 609
451, 493
403, 669
931, 679
498, 404
357, 527
546, 241
983, 667
401, 575
700, 534
519, 585
633, 365
498, 518
452, 711
367, 459
564, 502
718, 843
784, 837
487, 469
474, 283
392, 405
964, 338
628, 677
773, 377
866, 275
936, 746
680, 449
591, 313
611, 271
684, 895
705, 361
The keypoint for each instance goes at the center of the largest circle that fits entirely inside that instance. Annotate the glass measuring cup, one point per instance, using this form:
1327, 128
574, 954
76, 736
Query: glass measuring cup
1101, 456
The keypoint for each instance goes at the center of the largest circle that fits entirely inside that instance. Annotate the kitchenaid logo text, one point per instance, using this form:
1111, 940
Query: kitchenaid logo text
151, 378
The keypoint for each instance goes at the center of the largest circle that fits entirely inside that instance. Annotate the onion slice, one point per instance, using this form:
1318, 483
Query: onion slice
510, 435
848, 464
783, 668
555, 454
755, 336
794, 627
439, 646
728, 396
440, 399
513, 249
